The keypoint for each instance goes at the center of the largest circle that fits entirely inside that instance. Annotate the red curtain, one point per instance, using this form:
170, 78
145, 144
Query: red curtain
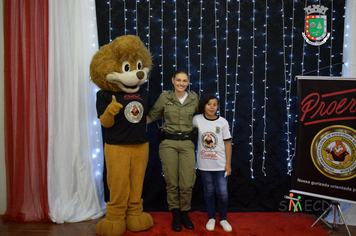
26, 92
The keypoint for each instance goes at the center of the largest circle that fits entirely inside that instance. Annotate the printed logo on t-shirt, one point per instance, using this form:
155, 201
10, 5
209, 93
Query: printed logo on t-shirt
217, 129
134, 112
132, 96
213, 155
209, 141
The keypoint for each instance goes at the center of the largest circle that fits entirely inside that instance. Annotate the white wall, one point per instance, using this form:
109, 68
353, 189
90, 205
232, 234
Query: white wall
349, 55
349, 70
2, 138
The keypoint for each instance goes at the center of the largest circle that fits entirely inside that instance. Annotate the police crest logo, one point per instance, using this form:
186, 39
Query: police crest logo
316, 25
333, 152
134, 112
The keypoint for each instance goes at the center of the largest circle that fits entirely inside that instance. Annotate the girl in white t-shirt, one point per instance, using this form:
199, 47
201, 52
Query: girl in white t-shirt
213, 158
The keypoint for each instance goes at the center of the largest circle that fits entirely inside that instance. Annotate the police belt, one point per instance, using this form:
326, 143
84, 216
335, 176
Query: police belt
178, 136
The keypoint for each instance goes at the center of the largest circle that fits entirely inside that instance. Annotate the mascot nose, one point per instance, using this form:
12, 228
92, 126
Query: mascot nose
140, 74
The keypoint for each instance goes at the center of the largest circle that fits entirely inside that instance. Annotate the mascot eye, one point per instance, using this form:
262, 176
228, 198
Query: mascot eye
139, 65
125, 66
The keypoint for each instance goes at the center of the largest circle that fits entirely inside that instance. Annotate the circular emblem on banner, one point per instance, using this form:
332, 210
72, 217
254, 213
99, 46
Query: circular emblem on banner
333, 151
134, 112
209, 140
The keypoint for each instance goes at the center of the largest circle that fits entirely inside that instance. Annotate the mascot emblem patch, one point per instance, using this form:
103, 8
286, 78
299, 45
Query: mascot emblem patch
134, 112
316, 25
209, 140
333, 152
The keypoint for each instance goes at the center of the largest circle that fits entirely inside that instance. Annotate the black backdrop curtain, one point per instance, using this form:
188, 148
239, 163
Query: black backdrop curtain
248, 52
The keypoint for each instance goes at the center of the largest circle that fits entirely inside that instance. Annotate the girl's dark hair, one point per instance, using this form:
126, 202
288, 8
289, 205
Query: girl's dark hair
180, 70
205, 100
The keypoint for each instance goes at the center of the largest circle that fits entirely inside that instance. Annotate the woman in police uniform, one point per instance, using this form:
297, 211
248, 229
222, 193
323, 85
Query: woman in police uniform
177, 151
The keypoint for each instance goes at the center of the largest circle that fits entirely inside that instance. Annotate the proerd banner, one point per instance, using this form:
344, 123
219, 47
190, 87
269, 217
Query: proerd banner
325, 162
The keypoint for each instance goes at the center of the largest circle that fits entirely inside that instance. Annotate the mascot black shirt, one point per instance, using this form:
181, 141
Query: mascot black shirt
130, 123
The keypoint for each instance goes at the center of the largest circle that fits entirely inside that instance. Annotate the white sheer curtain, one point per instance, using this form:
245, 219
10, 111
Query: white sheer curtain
75, 159
349, 70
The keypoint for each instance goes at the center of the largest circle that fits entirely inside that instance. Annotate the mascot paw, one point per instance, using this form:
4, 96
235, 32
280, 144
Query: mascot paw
114, 107
107, 227
139, 223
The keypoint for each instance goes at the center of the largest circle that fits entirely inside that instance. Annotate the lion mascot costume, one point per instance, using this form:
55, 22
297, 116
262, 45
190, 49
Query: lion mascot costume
118, 69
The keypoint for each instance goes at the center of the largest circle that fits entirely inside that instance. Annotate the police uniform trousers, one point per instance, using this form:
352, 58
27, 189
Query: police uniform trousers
178, 164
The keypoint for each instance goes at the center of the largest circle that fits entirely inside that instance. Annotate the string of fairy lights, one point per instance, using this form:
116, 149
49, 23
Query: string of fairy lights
331, 38
229, 107
149, 28
287, 83
252, 72
162, 37
236, 69
227, 55
175, 35
148, 33
288, 75
110, 22
200, 47
265, 93
318, 72
136, 18
216, 51
125, 16
305, 43
188, 39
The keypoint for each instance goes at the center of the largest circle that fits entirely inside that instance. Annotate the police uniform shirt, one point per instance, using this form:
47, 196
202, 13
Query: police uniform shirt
130, 123
211, 154
177, 117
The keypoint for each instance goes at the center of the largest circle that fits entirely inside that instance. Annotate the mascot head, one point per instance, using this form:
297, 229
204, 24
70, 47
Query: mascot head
122, 65
339, 148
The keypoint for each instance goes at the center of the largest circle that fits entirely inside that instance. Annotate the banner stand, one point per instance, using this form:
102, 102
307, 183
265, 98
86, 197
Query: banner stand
336, 207
325, 163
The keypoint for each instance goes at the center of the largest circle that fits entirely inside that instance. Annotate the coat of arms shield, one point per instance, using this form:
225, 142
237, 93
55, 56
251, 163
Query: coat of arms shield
316, 25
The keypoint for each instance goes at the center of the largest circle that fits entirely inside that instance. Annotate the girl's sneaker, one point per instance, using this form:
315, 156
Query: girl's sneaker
226, 226
210, 225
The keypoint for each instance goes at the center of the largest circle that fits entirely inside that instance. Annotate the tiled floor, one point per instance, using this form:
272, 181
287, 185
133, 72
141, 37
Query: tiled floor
87, 228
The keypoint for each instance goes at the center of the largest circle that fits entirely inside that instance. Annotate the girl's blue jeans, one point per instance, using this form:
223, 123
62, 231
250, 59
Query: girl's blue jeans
214, 181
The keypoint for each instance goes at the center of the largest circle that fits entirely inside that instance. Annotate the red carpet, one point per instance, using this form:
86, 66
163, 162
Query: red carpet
243, 224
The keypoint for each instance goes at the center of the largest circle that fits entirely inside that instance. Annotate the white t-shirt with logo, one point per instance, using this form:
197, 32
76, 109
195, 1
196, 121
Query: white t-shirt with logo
211, 148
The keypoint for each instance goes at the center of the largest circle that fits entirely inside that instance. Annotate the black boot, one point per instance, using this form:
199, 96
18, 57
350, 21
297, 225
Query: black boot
177, 220
186, 221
